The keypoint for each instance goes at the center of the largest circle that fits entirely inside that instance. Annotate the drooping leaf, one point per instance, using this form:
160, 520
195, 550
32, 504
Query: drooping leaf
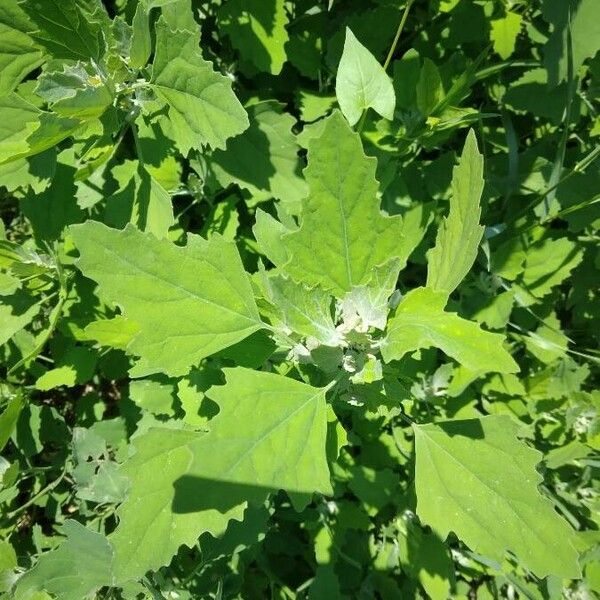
184, 483
208, 295
343, 234
78, 568
258, 30
497, 506
421, 322
459, 234
202, 106
362, 83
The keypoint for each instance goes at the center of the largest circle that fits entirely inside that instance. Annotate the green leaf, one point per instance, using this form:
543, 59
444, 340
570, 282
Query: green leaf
429, 90
184, 483
366, 306
189, 302
343, 234
497, 506
458, 237
362, 83
265, 157
202, 106
9, 417
140, 200
420, 322
258, 30
268, 233
116, 332
504, 33
305, 311
25, 130
76, 91
78, 568
19, 54
76, 366
16, 312
427, 559
548, 263
67, 28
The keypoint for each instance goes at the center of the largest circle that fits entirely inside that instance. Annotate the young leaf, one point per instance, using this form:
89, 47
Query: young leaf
189, 302
477, 479
76, 91
78, 568
184, 483
459, 234
343, 234
202, 106
305, 311
258, 30
420, 322
362, 83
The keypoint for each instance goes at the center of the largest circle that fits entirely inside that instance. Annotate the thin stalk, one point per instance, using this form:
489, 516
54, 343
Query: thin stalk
390, 55
39, 495
54, 317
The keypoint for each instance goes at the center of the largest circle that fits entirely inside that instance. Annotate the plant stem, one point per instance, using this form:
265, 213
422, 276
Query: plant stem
39, 495
390, 55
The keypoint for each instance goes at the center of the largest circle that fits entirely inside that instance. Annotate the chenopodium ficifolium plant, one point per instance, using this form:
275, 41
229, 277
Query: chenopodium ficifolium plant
331, 308
279, 369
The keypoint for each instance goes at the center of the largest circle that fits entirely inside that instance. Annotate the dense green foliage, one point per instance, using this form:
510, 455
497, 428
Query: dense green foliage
299, 299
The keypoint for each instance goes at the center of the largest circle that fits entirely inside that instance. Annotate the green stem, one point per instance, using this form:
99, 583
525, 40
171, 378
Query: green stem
54, 317
390, 55
39, 495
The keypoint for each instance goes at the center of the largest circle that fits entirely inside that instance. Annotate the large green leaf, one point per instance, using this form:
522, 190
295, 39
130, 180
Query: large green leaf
421, 322
68, 28
257, 29
362, 83
189, 302
343, 235
19, 54
270, 434
202, 106
78, 568
459, 234
476, 479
